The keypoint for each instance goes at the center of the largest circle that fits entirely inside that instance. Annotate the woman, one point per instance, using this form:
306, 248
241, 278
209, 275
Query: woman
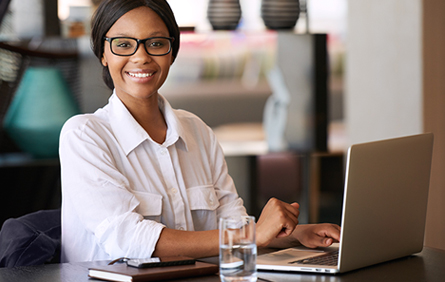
140, 178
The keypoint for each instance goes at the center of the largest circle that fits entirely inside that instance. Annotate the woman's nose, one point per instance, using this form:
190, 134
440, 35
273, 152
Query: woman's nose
141, 54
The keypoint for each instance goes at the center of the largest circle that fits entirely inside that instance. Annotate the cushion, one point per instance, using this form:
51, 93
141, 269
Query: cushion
32, 239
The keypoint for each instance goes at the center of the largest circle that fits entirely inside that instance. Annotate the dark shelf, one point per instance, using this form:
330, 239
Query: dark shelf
28, 185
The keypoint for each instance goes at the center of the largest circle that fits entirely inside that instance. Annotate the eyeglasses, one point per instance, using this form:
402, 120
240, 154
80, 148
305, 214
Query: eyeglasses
127, 46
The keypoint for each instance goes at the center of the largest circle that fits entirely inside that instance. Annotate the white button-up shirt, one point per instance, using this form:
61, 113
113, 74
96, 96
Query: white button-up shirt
120, 188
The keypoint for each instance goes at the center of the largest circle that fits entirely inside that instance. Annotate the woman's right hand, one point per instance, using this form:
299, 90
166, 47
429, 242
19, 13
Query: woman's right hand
278, 219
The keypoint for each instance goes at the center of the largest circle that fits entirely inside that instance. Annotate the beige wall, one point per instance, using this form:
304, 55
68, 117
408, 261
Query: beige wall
434, 114
395, 83
383, 69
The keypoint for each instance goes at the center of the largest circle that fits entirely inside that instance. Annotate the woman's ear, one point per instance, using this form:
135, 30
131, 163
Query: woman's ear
104, 61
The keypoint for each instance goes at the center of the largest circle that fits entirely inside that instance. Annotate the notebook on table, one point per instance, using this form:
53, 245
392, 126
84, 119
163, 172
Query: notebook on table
384, 209
168, 268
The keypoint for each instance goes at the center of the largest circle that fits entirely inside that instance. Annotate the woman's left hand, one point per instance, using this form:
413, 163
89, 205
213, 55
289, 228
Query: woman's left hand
317, 235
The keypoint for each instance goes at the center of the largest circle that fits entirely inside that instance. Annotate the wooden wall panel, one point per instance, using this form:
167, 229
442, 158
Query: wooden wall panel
434, 115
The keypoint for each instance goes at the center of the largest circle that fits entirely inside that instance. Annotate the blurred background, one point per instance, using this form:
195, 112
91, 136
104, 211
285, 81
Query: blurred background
285, 102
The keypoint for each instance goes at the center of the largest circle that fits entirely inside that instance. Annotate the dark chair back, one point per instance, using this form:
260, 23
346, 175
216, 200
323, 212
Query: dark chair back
32, 239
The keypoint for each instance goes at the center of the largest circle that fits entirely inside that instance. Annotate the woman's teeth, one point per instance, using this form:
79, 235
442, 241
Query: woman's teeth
140, 74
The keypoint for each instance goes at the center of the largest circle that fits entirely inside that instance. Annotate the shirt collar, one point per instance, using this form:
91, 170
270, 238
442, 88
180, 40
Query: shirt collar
130, 134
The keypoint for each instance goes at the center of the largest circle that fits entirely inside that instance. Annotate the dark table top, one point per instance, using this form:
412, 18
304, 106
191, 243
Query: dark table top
428, 265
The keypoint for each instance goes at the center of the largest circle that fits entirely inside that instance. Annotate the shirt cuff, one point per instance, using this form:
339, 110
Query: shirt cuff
144, 241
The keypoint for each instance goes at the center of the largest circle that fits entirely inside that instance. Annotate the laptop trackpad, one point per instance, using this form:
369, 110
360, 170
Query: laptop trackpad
293, 254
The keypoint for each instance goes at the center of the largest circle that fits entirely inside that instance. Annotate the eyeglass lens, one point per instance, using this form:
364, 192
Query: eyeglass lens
128, 46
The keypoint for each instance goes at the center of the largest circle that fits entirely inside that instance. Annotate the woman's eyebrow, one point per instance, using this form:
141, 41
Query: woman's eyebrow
157, 33
153, 34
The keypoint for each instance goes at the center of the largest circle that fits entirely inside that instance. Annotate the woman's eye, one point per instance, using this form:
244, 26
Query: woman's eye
123, 44
156, 44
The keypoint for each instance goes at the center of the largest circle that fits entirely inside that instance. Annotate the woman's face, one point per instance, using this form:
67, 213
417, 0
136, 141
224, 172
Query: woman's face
140, 75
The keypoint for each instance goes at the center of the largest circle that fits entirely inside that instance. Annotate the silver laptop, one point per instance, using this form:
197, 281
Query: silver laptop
384, 209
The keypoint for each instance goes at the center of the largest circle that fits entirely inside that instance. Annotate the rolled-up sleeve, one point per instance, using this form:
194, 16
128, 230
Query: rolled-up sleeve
97, 200
230, 202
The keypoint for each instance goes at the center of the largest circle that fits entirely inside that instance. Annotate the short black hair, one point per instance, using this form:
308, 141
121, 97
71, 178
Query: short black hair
109, 11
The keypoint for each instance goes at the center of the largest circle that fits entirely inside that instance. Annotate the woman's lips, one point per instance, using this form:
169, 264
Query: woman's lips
140, 74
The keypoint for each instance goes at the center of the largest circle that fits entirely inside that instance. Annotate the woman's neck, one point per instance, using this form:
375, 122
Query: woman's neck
147, 113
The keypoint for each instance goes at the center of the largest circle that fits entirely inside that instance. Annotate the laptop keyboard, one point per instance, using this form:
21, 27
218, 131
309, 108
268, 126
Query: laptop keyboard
330, 259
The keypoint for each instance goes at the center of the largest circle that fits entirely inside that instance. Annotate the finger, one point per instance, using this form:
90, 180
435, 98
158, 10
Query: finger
290, 217
336, 227
318, 241
327, 242
278, 219
332, 231
289, 226
285, 232
282, 210
289, 223
293, 208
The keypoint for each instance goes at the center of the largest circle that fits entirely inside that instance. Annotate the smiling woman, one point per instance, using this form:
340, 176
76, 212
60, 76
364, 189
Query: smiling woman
140, 178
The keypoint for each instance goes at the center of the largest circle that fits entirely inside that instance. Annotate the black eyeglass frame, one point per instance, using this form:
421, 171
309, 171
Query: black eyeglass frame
139, 41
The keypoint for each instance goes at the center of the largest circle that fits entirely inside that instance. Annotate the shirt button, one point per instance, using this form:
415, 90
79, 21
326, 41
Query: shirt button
174, 191
211, 201
163, 152
181, 228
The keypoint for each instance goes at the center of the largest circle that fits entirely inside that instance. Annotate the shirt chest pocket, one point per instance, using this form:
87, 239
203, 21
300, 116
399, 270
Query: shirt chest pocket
203, 204
150, 205
202, 198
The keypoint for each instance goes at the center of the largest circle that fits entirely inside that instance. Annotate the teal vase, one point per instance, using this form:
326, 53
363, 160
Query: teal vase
40, 107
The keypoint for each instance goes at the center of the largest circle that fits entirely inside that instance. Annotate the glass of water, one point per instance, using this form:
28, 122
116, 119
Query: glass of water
237, 249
